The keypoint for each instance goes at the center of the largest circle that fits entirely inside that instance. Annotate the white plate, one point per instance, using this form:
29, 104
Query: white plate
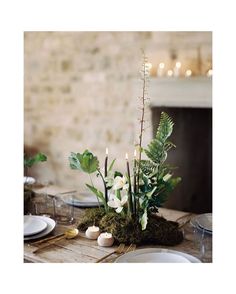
33, 225
83, 199
151, 255
50, 226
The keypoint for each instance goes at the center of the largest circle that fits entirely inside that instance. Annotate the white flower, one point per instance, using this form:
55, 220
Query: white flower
109, 179
115, 202
167, 177
120, 183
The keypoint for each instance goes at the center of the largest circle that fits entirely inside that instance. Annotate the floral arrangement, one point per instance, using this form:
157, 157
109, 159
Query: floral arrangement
137, 194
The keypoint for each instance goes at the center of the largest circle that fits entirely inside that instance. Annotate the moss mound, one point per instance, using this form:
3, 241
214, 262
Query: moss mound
159, 231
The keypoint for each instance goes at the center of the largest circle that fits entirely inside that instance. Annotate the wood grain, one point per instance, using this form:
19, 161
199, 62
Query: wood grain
83, 250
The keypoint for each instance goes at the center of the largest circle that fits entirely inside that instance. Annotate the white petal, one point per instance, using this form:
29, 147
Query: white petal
112, 204
124, 200
119, 209
126, 187
167, 177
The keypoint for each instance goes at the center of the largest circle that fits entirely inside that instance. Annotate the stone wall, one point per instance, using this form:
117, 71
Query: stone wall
81, 91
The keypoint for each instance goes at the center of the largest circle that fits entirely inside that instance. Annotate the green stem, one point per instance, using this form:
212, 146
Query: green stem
93, 186
104, 183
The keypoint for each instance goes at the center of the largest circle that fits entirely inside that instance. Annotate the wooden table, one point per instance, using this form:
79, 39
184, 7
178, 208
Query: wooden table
84, 250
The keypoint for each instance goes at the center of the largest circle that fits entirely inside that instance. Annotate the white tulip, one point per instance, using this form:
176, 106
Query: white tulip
115, 202
120, 183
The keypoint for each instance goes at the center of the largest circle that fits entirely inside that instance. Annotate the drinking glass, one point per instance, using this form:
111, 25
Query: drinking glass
203, 243
64, 207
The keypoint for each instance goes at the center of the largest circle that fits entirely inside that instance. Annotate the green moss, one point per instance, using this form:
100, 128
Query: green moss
126, 230
91, 217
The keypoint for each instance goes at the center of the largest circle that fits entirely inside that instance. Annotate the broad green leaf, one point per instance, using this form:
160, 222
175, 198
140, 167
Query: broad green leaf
74, 161
86, 162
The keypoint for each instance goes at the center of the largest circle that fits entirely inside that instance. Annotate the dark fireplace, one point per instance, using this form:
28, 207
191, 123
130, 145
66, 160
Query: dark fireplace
193, 156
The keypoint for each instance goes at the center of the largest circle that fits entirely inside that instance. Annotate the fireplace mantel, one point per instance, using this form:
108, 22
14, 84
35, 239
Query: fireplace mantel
193, 92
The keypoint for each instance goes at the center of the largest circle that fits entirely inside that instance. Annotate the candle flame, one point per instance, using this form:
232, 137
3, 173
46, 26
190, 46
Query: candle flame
170, 73
106, 151
126, 156
188, 73
161, 65
178, 64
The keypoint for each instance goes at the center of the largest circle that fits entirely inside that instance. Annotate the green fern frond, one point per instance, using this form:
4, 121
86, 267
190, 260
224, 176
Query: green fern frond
158, 147
148, 167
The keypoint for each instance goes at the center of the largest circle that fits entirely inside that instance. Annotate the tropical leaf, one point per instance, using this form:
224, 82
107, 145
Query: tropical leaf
86, 162
148, 167
158, 147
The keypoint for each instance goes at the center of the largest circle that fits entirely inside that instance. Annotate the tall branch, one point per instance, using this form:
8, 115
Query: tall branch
144, 78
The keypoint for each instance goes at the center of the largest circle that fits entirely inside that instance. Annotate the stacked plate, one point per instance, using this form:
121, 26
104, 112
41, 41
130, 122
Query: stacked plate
157, 255
37, 226
203, 223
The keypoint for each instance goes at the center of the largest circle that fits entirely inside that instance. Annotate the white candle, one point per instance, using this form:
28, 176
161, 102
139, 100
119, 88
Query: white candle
209, 73
105, 240
160, 70
177, 69
188, 73
135, 154
170, 73
92, 232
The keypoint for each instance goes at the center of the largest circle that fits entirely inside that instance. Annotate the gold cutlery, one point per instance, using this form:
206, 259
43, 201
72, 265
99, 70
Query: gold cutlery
36, 243
120, 250
70, 234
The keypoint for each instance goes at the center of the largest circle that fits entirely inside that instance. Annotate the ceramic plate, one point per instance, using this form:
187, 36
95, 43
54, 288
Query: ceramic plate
83, 199
157, 255
29, 180
33, 225
50, 226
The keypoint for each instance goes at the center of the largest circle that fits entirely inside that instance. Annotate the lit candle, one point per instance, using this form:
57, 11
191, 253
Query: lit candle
106, 160
188, 73
160, 70
209, 73
92, 232
105, 240
129, 181
170, 73
177, 69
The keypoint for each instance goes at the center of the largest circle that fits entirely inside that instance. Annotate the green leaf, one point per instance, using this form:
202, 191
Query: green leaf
74, 161
144, 220
86, 162
98, 193
39, 157
149, 194
111, 165
157, 149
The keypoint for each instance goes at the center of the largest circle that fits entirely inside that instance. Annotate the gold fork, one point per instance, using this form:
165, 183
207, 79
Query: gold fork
120, 249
